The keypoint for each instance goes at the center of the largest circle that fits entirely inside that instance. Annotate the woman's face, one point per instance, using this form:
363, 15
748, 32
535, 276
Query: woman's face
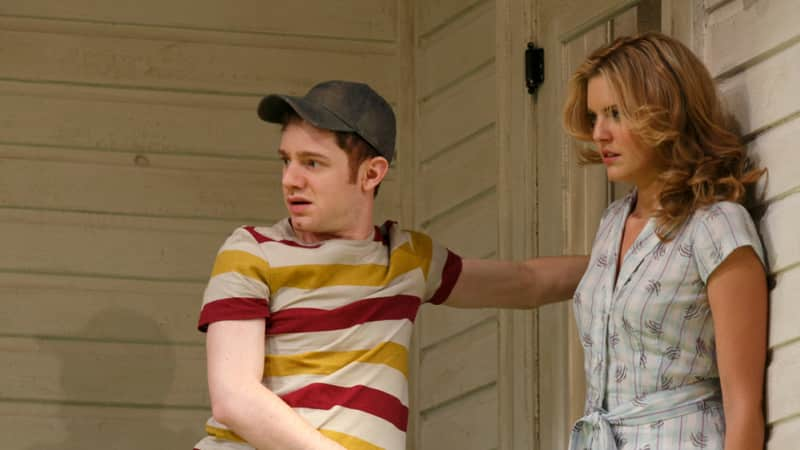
624, 157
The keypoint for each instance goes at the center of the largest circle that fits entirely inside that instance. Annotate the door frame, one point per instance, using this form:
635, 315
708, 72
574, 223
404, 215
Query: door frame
521, 379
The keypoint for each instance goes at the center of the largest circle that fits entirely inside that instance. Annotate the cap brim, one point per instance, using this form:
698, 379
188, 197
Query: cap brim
272, 108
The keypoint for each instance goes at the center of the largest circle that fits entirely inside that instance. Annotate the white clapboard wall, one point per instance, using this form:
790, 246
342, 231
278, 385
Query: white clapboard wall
753, 49
456, 166
129, 149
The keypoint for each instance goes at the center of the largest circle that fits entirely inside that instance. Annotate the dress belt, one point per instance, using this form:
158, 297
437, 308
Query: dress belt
593, 431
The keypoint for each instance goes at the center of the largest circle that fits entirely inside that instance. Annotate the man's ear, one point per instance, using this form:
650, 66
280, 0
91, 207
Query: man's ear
374, 171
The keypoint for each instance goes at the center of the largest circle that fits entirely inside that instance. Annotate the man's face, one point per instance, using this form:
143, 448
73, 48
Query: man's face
322, 201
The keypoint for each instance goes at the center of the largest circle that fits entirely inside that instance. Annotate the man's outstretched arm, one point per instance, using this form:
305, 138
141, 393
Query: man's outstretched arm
487, 283
235, 353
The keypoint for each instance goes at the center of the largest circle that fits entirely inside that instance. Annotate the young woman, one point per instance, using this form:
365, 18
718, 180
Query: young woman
672, 310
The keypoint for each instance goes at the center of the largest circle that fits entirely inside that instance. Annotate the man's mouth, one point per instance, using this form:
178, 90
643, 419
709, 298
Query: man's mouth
297, 205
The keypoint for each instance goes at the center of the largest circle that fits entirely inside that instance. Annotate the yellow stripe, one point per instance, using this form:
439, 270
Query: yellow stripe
314, 276
349, 442
220, 433
324, 363
423, 247
241, 262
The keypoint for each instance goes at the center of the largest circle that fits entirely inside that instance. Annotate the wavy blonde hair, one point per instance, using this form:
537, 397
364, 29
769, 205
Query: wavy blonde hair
669, 102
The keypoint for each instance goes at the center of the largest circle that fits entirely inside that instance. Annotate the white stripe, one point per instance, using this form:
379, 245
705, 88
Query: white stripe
356, 423
241, 240
340, 251
438, 261
211, 443
334, 251
233, 284
358, 337
332, 297
374, 376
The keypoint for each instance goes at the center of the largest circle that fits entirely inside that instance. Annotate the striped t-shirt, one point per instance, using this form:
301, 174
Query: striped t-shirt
339, 317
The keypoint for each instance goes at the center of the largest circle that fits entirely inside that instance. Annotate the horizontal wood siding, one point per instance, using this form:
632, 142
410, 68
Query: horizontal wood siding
753, 47
456, 202
129, 150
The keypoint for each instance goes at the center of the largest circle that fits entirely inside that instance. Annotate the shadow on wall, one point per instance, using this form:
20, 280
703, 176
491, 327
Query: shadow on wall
113, 392
737, 98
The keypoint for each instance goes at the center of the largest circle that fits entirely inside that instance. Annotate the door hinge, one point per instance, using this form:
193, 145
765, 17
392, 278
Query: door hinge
534, 67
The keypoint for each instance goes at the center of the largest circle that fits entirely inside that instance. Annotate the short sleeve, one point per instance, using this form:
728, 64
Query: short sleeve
238, 288
441, 266
721, 229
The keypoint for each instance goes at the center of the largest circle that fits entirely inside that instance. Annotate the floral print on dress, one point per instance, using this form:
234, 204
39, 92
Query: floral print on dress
650, 330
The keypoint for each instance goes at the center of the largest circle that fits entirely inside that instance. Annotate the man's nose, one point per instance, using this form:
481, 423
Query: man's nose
291, 176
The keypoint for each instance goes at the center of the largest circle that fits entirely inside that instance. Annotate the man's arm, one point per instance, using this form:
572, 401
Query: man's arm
235, 353
487, 283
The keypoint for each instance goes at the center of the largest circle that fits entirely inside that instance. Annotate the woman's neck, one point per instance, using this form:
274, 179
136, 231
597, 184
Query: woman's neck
647, 201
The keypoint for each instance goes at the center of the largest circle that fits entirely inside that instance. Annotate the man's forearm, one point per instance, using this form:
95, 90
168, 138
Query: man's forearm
555, 278
517, 284
261, 418
239, 400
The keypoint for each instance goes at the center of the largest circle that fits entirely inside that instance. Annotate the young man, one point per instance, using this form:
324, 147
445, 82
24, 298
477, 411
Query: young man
330, 298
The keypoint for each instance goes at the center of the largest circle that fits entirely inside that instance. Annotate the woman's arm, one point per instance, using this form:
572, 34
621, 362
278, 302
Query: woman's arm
737, 293
235, 353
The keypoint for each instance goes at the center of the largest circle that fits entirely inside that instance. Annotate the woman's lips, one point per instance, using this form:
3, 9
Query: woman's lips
609, 157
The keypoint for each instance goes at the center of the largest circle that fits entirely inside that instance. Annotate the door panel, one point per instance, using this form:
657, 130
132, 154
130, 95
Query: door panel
570, 198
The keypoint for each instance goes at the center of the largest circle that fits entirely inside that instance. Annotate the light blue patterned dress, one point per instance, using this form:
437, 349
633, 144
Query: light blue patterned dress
648, 339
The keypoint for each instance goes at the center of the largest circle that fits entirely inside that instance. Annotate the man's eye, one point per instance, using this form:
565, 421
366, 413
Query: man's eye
311, 163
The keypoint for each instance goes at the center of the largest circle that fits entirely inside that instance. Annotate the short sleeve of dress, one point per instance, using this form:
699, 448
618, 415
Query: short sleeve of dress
238, 288
441, 267
722, 228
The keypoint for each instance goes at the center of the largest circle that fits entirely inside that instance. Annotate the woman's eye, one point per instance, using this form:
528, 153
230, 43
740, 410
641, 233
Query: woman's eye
614, 113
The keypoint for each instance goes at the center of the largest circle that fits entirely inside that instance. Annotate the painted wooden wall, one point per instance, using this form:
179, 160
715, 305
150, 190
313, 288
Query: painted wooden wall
129, 149
753, 49
455, 170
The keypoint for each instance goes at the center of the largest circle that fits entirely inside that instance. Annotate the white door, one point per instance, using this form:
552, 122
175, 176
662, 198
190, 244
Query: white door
570, 199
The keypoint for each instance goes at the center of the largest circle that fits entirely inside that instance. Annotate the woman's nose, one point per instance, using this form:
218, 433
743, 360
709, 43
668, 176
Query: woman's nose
600, 131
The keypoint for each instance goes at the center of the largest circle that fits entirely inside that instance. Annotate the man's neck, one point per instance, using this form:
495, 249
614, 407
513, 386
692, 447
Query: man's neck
363, 233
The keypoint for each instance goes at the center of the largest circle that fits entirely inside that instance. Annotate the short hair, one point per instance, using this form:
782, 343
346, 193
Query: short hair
357, 149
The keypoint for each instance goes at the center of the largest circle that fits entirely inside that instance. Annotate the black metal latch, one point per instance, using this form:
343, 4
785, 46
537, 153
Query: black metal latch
534, 67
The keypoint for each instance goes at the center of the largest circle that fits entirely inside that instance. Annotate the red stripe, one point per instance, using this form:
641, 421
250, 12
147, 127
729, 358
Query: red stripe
234, 308
361, 398
450, 274
297, 320
260, 238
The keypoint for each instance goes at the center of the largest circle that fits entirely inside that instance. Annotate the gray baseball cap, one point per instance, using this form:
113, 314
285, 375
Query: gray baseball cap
339, 106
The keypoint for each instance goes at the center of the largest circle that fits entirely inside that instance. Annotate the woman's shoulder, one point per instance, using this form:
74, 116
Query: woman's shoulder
720, 228
726, 213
